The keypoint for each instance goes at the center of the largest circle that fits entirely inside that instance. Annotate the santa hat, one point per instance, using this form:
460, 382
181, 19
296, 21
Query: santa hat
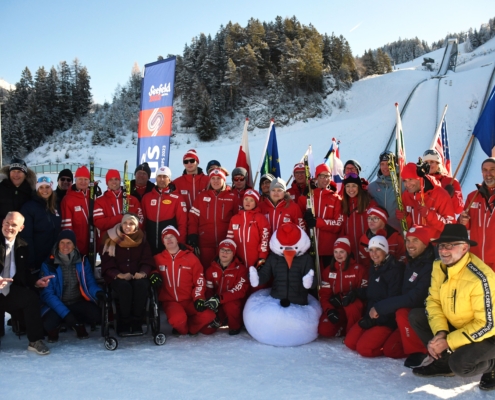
299, 167
164, 171
378, 212
112, 173
170, 230
322, 168
409, 171
253, 194
44, 180
227, 244
378, 242
191, 153
420, 232
217, 172
82, 172
289, 241
343, 243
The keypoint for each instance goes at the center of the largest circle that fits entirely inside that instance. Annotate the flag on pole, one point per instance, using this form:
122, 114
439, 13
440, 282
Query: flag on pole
400, 150
442, 147
243, 158
485, 127
270, 161
332, 159
311, 160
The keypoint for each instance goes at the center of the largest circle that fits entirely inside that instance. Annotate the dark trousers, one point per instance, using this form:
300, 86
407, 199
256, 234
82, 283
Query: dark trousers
22, 298
86, 312
469, 360
132, 297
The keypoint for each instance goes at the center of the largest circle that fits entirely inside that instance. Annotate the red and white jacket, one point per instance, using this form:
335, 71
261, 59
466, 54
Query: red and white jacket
457, 200
355, 225
285, 211
108, 210
75, 212
251, 233
229, 284
396, 245
182, 276
341, 282
189, 186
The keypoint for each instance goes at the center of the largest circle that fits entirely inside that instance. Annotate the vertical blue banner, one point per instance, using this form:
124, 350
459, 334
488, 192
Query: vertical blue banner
155, 116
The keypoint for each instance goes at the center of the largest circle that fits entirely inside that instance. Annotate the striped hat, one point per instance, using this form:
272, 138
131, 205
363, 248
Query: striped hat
170, 230
191, 153
253, 194
378, 212
227, 244
217, 172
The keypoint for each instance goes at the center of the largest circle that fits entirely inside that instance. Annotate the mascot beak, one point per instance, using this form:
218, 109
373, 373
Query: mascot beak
289, 254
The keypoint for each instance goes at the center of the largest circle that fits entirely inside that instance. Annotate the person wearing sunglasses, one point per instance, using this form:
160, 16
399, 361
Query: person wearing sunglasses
240, 182
452, 186
458, 327
425, 202
64, 180
193, 180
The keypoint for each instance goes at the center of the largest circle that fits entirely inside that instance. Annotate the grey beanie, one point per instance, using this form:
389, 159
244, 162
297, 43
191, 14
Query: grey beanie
278, 183
130, 216
239, 171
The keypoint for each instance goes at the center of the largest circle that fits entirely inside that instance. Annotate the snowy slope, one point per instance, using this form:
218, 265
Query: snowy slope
6, 85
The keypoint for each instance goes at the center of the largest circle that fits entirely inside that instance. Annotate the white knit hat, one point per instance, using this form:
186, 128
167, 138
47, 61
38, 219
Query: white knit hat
378, 242
164, 171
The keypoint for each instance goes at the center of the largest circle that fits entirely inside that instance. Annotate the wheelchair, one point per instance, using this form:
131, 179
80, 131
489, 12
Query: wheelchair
110, 319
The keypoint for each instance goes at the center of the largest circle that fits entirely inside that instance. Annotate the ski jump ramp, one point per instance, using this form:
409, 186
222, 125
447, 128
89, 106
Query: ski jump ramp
449, 58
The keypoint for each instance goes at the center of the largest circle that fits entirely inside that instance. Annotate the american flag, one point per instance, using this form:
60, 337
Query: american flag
332, 159
442, 146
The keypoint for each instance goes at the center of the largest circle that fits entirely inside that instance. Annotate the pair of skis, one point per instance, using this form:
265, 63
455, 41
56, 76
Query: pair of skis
397, 190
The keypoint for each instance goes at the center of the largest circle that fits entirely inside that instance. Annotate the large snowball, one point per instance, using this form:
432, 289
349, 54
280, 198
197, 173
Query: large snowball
270, 323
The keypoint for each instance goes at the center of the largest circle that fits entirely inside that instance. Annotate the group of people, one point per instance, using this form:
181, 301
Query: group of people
206, 246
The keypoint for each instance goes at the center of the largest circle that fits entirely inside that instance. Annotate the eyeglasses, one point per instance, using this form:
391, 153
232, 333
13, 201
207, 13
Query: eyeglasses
351, 175
448, 246
189, 161
239, 179
323, 176
225, 251
373, 219
63, 179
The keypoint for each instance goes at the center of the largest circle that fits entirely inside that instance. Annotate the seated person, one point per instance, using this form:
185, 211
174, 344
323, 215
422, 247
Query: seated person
226, 288
72, 295
126, 263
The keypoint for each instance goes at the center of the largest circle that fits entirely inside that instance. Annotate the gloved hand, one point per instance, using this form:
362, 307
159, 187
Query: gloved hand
367, 323
450, 189
422, 168
349, 298
254, 278
193, 240
71, 320
335, 301
212, 303
310, 219
199, 305
101, 296
156, 280
308, 279
333, 316
260, 263
400, 214
423, 211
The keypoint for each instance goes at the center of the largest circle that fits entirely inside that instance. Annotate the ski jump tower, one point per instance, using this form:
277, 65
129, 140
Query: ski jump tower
449, 58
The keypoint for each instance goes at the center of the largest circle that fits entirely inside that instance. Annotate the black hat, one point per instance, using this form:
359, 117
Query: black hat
143, 167
353, 162
212, 163
385, 156
67, 234
67, 173
18, 164
454, 233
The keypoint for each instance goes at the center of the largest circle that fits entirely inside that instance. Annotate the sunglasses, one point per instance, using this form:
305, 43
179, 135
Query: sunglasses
65, 179
239, 179
430, 152
189, 161
351, 175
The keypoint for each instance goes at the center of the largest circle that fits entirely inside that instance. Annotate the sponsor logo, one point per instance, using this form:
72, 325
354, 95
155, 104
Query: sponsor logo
156, 94
413, 277
332, 275
215, 275
183, 203
286, 219
235, 226
349, 276
153, 202
77, 208
207, 199
167, 201
161, 267
184, 192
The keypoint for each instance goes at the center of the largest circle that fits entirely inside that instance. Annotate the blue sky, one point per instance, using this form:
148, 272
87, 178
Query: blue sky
108, 36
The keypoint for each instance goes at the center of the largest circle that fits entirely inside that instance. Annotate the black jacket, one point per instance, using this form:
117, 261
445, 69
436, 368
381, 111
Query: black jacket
24, 276
417, 278
12, 198
134, 192
287, 283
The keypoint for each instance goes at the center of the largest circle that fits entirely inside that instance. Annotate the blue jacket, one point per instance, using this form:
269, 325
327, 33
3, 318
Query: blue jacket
382, 191
51, 296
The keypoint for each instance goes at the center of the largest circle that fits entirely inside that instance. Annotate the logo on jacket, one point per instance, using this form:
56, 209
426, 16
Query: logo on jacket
77, 208
161, 267
413, 277
153, 202
184, 192
207, 199
167, 201
377, 279
333, 275
215, 275
235, 226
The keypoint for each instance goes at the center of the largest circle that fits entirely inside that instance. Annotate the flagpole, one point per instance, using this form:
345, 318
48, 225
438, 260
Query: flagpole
439, 128
263, 153
462, 159
302, 160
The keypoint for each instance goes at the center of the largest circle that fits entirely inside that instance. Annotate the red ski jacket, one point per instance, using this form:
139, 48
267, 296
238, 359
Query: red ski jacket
182, 275
190, 185
457, 200
108, 210
229, 284
296, 191
251, 233
285, 211
396, 246
355, 225
75, 212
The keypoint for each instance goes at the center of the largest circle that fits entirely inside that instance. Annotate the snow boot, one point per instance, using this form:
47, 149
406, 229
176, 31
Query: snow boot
487, 381
438, 367
417, 360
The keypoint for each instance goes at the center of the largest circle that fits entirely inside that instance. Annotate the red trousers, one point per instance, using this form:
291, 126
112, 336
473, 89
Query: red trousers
403, 341
229, 314
348, 316
184, 317
367, 342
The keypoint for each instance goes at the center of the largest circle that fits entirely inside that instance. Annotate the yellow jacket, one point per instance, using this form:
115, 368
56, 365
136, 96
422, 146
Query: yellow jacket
462, 295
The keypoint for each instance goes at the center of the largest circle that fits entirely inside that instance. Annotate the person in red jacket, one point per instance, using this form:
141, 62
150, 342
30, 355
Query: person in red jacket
75, 209
478, 218
226, 288
279, 208
452, 186
210, 216
355, 204
250, 231
240, 182
298, 186
426, 203
193, 180
328, 213
341, 307
378, 225
162, 207
109, 207
182, 282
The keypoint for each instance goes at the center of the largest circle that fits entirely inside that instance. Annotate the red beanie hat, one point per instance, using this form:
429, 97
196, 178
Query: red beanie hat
409, 171
378, 212
227, 244
191, 153
343, 243
170, 230
420, 232
288, 234
217, 172
112, 173
299, 167
322, 168
82, 172
253, 194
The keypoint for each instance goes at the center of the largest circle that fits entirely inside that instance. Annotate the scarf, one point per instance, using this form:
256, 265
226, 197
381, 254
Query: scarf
117, 237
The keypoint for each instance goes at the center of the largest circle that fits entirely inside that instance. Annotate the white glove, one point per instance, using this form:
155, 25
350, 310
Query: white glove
308, 279
253, 277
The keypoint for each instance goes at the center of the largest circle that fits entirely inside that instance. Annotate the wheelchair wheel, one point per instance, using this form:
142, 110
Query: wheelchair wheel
111, 343
160, 339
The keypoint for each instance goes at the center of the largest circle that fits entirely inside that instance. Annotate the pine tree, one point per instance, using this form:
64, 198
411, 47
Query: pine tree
65, 96
206, 126
81, 90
